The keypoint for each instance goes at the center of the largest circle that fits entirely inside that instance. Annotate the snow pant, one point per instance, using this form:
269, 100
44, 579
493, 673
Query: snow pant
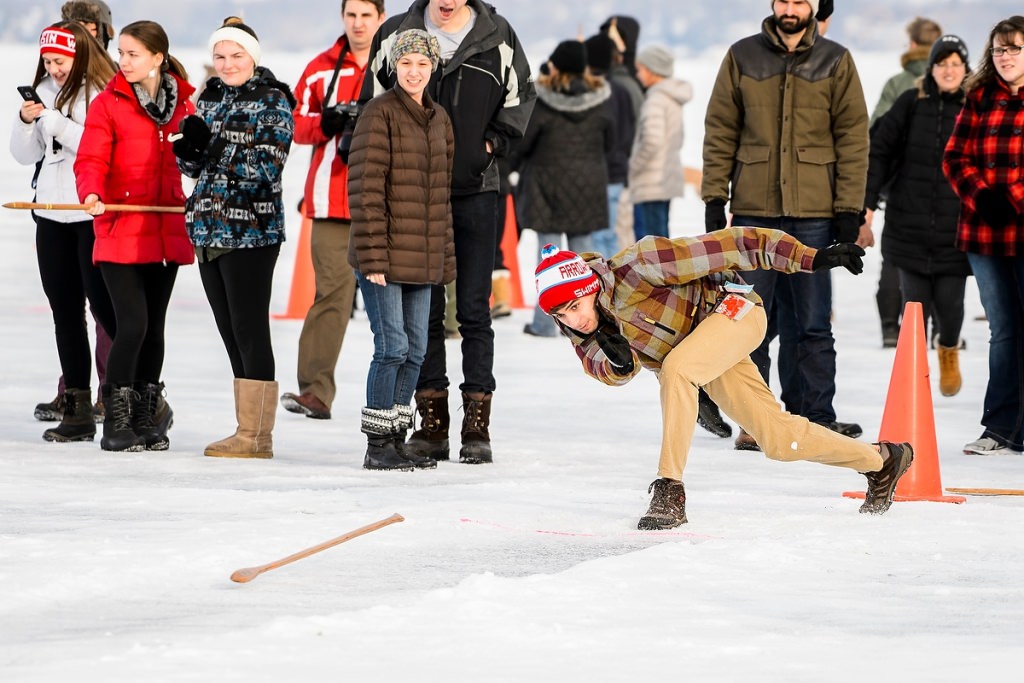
716, 356
140, 293
941, 297
238, 286
323, 330
64, 253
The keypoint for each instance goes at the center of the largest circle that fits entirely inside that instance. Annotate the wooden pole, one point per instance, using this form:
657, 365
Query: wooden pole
85, 207
987, 492
250, 573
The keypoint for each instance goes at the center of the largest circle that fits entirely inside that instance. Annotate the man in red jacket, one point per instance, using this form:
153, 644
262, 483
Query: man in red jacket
324, 118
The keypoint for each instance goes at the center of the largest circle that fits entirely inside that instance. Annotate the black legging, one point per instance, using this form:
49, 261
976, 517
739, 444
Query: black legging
238, 285
140, 293
64, 251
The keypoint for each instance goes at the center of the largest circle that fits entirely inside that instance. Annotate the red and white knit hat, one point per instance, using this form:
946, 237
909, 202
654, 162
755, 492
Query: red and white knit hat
562, 276
59, 40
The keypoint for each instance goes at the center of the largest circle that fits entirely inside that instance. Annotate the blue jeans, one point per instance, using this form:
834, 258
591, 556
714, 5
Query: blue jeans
474, 220
650, 218
1001, 284
801, 306
606, 240
543, 325
398, 316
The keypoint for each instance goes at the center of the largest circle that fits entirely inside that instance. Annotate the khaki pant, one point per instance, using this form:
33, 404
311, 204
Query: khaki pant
324, 328
716, 356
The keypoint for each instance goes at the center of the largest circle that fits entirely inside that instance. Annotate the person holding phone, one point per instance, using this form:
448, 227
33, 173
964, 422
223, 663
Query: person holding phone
72, 70
126, 158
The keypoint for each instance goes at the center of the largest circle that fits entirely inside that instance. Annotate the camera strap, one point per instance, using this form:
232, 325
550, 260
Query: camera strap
334, 78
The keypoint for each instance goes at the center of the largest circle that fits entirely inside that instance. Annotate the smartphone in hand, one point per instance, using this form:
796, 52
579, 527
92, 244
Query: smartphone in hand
29, 94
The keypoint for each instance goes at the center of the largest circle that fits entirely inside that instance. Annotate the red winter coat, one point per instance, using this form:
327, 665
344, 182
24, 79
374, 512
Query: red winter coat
326, 192
126, 158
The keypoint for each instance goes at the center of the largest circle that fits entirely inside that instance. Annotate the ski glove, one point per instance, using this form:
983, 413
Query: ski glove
846, 255
195, 136
617, 350
847, 225
995, 208
714, 215
332, 121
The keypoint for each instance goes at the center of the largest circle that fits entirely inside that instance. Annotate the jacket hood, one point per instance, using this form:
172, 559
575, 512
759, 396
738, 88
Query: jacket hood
916, 54
263, 77
772, 36
680, 91
578, 99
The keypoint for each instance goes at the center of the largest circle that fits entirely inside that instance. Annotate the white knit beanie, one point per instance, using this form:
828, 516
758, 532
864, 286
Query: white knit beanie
241, 34
812, 3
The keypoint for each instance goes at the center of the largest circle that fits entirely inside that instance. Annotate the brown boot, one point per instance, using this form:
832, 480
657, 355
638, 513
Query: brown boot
256, 411
76, 424
745, 442
501, 290
431, 439
476, 419
949, 370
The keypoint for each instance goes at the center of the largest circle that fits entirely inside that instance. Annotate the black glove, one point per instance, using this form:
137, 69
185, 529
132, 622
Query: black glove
332, 122
195, 136
847, 225
846, 255
995, 208
714, 215
617, 350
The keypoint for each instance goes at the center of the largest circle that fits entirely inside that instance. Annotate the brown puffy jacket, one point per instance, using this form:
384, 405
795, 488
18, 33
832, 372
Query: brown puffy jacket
400, 170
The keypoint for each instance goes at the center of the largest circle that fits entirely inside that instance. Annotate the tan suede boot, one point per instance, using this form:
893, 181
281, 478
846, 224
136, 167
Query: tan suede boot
949, 370
501, 290
256, 411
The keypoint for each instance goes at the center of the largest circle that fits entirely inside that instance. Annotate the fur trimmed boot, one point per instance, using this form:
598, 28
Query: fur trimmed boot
476, 420
381, 454
255, 412
403, 423
118, 435
431, 439
76, 424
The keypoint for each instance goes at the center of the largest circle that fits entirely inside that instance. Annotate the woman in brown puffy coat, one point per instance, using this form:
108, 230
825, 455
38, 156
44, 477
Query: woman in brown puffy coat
401, 243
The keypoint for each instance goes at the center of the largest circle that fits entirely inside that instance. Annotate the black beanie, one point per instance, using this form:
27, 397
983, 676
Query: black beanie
825, 8
599, 52
945, 46
570, 56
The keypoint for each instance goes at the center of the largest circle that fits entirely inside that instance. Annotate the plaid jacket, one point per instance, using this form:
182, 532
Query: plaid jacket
986, 150
657, 290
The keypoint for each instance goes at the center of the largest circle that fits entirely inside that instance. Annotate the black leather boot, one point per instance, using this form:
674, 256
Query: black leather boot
118, 434
476, 420
144, 416
379, 427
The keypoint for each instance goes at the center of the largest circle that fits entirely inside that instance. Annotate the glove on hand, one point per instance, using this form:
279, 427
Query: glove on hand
195, 136
617, 350
332, 122
847, 225
995, 208
846, 255
714, 215
52, 122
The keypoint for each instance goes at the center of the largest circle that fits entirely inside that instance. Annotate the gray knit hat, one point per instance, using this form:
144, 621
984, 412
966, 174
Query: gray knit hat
658, 60
418, 41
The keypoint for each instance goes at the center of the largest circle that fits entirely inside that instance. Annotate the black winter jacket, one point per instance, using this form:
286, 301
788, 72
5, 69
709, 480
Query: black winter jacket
921, 210
563, 178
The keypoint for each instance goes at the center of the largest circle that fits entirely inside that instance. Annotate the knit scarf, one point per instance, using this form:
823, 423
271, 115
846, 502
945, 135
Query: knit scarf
160, 109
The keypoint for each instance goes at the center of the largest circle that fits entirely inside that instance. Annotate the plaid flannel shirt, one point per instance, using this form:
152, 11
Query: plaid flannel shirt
657, 290
986, 150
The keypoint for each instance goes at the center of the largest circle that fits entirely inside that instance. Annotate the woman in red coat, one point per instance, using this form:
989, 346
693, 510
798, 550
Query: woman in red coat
125, 158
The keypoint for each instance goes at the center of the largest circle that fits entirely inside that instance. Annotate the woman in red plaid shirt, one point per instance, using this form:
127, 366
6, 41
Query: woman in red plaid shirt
984, 161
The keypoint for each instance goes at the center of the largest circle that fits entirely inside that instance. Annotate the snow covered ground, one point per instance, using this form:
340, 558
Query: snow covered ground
114, 567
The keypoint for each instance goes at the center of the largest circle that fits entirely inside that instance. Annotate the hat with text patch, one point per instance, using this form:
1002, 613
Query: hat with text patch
561, 277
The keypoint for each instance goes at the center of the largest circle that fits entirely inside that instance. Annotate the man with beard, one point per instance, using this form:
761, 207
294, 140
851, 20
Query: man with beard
786, 144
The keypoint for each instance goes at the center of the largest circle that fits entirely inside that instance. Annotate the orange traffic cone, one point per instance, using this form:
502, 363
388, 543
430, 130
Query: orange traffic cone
909, 415
509, 249
303, 281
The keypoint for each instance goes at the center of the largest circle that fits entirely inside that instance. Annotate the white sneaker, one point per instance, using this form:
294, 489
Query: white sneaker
986, 445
